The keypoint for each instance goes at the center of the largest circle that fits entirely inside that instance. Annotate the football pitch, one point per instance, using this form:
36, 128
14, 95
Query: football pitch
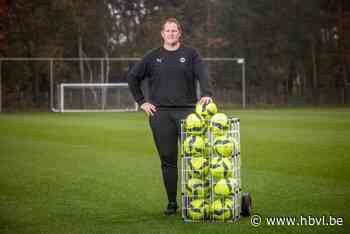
100, 173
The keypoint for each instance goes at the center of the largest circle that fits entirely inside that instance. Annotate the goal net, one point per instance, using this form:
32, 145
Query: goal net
95, 97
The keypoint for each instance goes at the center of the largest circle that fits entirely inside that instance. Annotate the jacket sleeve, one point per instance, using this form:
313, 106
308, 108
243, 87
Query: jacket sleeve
201, 73
138, 73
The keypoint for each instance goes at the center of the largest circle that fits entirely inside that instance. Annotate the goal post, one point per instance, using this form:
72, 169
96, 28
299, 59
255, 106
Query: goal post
95, 97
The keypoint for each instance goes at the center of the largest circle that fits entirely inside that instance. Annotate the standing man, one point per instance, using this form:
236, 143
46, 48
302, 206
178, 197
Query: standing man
172, 70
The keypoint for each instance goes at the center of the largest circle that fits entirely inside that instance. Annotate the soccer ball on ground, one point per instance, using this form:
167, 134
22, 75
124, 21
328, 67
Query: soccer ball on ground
219, 124
222, 209
197, 188
198, 209
221, 167
199, 167
206, 110
194, 146
226, 187
194, 124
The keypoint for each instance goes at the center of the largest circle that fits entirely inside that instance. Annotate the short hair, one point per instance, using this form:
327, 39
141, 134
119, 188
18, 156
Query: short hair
173, 20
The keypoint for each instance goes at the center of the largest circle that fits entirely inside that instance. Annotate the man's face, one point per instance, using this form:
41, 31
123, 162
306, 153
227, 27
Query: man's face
171, 34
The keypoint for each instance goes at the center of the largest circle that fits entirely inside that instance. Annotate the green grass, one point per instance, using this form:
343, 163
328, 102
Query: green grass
100, 173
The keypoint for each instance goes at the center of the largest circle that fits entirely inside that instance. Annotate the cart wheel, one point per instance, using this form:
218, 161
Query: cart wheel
246, 205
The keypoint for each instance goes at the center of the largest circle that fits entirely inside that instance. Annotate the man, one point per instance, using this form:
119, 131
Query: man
172, 70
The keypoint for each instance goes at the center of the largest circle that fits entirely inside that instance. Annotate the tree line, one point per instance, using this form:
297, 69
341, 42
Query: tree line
291, 48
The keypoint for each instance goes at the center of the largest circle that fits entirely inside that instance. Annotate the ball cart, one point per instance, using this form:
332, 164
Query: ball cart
215, 198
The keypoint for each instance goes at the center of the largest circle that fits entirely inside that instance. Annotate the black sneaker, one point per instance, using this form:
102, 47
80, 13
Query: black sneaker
171, 209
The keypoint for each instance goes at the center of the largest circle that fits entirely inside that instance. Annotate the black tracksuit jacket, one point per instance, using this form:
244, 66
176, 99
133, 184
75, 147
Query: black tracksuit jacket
172, 77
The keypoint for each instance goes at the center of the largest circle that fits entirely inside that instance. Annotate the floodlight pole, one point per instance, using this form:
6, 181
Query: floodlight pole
242, 61
51, 84
61, 98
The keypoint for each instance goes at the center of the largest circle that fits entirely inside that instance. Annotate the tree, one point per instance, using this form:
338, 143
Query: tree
280, 41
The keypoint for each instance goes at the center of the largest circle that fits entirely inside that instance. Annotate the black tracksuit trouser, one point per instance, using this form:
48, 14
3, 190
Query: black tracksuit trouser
166, 126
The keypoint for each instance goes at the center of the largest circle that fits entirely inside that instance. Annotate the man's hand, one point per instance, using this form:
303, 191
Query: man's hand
148, 108
205, 100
